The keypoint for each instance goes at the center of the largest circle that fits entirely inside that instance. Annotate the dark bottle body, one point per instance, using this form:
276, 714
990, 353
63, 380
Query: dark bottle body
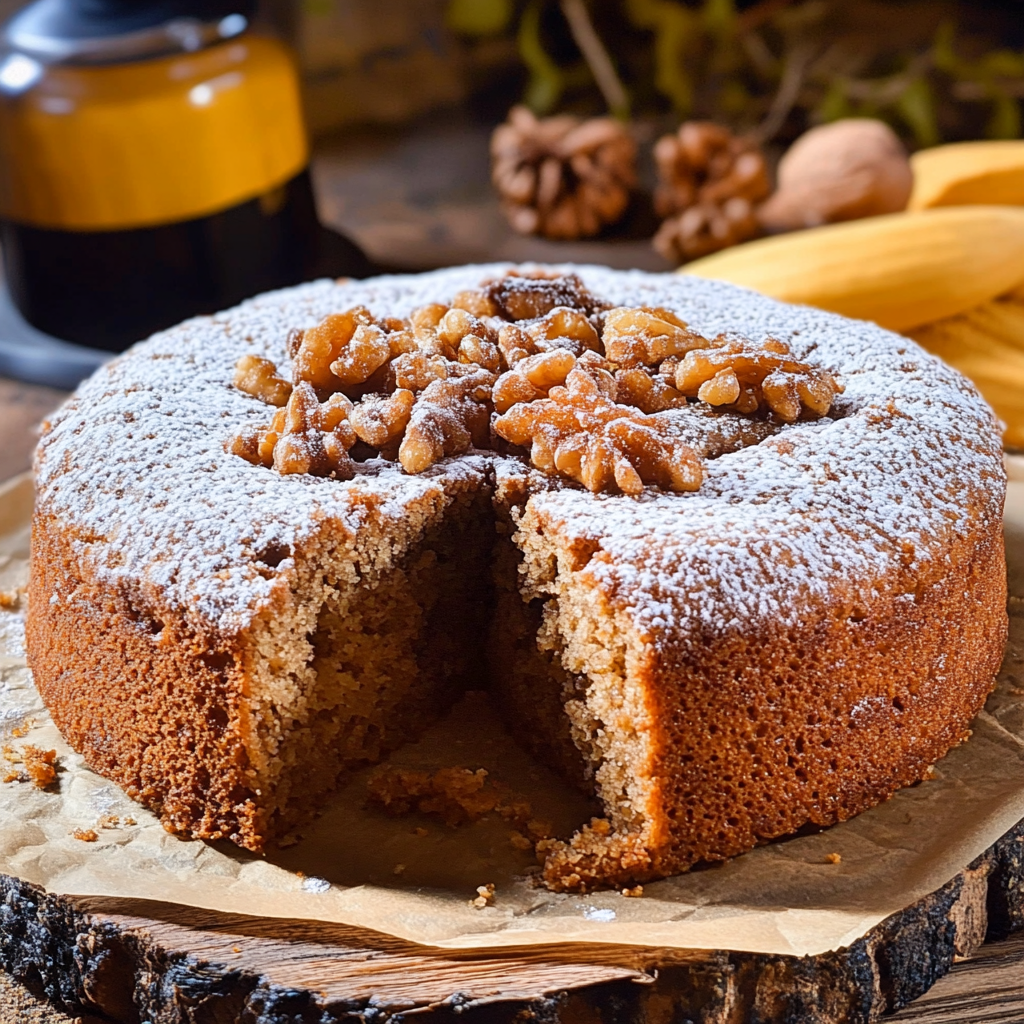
108, 289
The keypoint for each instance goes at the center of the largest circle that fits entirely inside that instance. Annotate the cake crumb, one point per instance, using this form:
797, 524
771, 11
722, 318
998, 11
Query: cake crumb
109, 821
10, 599
636, 891
930, 774
38, 766
399, 869
539, 828
484, 896
456, 795
519, 842
833, 858
129, 821
236, 949
421, 832
86, 835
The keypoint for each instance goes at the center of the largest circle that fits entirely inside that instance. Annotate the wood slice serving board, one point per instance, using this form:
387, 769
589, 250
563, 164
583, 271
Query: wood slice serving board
132, 961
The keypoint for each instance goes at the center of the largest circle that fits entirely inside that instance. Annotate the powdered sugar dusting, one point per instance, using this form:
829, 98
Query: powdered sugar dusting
135, 464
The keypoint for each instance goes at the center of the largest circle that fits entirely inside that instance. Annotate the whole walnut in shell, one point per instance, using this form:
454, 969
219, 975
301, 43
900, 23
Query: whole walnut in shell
849, 169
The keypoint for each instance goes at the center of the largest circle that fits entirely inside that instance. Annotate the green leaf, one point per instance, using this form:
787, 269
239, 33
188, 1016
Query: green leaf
1001, 64
943, 51
675, 28
547, 82
478, 17
917, 109
719, 18
1005, 122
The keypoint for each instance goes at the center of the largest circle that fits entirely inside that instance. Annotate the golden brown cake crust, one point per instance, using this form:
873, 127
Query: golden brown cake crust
808, 632
151, 704
759, 735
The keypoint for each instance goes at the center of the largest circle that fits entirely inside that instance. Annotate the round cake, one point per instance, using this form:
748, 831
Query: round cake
732, 566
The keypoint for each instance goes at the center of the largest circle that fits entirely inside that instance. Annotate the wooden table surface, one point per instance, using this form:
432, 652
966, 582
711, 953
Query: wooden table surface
423, 201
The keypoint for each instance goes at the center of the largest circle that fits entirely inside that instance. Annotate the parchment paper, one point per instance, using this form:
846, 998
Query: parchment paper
413, 877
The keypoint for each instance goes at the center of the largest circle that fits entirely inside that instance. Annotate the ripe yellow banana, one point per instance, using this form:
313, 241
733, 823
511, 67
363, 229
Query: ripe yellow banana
987, 345
968, 173
901, 270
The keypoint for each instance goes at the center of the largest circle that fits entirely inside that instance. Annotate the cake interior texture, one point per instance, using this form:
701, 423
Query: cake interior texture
679, 657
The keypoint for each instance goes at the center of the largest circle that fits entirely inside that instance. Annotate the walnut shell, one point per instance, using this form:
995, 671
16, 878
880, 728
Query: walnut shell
849, 169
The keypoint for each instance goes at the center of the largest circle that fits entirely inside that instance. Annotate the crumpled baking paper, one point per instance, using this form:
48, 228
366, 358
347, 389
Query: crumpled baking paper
414, 877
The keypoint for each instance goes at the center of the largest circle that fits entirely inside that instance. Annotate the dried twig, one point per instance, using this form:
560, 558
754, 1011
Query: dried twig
596, 56
974, 91
789, 90
888, 90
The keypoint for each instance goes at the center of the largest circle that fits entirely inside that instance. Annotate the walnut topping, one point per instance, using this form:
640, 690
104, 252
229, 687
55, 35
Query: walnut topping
304, 437
415, 370
647, 336
648, 392
380, 420
343, 350
528, 297
534, 360
451, 416
580, 432
258, 377
564, 328
744, 379
532, 378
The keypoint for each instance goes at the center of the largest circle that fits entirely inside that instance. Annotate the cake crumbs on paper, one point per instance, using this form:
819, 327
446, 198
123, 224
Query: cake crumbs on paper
458, 796
519, 842
636, 892
484, 896
38, 766
833, 858
86, 835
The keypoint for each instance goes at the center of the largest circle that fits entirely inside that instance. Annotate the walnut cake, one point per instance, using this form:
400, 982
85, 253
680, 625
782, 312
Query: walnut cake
732, 566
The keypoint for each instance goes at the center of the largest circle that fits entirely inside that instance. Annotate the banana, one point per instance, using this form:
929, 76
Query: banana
987, 344
966, 173
901, 270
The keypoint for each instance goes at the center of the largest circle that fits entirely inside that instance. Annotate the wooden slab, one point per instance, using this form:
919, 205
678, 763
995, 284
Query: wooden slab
132, 961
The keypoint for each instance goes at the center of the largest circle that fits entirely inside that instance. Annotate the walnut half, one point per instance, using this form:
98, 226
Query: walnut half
582, 433
743, 378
